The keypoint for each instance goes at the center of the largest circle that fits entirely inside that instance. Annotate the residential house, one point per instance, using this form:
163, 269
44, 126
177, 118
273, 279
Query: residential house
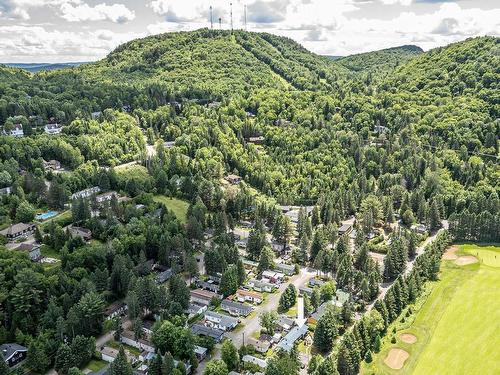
256, 140
345, 229
316, 282
32, 249
202, 330
262, 363
287, 269
304, 290
118, 308
285, 323
200, 352
379, 129
13, 354
95, 115
272, 277
261, 286
127, 337
340, 298
208, 285
86, 193
248, 296
6, 190
419, 228
147, 326
53, 129
195, 309
202, 297
163, 273
17, 131
233, 179
18, 230
249, 264
109, 354
262, 344
51, 165
84, 233
292, 337
106, 197
236, 308
169, 144
220, 321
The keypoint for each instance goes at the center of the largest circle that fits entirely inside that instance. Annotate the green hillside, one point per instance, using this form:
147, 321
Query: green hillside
379, 61
215, 62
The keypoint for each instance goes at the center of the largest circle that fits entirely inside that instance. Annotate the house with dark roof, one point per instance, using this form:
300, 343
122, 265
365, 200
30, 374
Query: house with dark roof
202, 330
236, 308
32, 249
84, 233
200, 352
118, 308
195, 309
13, 354
18, 230
233, 179
208, 285
345, 229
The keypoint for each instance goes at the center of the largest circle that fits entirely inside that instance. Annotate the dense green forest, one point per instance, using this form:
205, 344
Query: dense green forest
394, 135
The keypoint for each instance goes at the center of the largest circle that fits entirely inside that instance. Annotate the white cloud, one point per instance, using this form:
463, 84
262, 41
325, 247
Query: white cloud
393, 2
37, 43
118, 13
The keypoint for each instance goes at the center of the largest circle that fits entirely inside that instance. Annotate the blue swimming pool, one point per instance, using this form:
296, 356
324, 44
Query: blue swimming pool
46, 215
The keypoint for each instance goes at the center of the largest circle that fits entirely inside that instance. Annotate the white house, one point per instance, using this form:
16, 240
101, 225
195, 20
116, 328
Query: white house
53, 129
256, 361
17, 131
223, 322
86, 193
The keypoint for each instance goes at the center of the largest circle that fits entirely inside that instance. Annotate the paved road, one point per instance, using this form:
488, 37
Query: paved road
252, 323
420, 250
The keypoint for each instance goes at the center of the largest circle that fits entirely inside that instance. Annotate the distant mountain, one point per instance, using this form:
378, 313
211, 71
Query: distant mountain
381, 61
333, 57
36, 67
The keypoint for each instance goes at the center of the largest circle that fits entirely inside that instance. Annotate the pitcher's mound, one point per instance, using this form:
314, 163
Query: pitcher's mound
467, 259
396, 358
450, 253
408, 338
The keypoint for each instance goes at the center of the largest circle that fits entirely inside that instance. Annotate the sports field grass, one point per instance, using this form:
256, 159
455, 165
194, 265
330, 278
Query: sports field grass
456, 322
179, 207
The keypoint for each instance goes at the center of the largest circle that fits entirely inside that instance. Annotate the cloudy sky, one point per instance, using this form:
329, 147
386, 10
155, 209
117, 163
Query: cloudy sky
86, 30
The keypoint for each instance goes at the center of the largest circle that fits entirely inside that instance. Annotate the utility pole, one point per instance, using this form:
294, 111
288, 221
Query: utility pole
211, 19
245, 11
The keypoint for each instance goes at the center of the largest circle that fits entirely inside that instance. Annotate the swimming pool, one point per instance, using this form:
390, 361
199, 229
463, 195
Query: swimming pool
46, 215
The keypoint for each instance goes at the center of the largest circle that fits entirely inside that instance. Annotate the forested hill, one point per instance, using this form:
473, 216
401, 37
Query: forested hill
215, 61
379, 61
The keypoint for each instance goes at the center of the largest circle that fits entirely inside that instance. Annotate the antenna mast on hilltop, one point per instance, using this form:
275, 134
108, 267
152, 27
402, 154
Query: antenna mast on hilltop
211, 19
245, 11
231, 4
220, 23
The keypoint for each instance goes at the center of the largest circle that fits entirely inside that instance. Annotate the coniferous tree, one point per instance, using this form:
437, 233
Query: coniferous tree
120, 366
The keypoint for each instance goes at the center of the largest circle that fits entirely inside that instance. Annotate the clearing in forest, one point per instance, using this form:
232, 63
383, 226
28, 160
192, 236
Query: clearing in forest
456, 322
178, 206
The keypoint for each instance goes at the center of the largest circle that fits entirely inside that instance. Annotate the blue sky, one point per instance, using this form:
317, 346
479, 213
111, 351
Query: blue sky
87, 30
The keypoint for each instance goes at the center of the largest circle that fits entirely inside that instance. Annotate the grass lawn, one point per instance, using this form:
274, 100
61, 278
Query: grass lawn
96, 365
179, 207
456, 321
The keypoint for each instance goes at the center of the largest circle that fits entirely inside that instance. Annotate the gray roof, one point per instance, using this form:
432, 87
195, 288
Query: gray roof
236, 305
200, 329
16, 228
8, 350
225, 320
289, 340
